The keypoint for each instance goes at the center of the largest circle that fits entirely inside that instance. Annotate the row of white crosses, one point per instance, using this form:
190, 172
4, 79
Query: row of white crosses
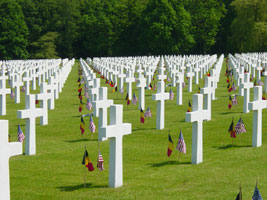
198, 114
258, 104
114, 131
15, 148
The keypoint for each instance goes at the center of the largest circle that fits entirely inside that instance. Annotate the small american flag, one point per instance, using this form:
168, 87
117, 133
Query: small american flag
234, 87
22, 89
148, 113
234, 101
100, 162
12, 95
240, 127
181, 147
122, 90
260, 83
21, 136
183, 84
257, 194
89, 104
92, 125
134, 99
171, 94
86, 95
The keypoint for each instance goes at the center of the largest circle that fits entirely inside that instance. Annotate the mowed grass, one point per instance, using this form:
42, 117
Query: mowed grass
56, 172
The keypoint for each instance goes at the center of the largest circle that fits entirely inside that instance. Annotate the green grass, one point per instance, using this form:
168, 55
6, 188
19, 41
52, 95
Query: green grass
56, 171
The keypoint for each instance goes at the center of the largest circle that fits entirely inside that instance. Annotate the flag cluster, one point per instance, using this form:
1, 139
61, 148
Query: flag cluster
237, 129
181, 147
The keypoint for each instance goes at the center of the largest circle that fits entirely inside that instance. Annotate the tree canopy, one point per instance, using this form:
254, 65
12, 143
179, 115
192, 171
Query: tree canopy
81, 28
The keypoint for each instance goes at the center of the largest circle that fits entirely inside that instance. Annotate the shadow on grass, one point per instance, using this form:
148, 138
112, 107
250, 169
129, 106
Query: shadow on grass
140, 129
172, 162
76, 116
228, 146
81, 140
80, 186
230, 112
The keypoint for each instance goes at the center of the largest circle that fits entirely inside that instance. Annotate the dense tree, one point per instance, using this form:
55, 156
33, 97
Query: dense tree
13, 31
206, 15
249, 28
163, 30
81, 28
45, 46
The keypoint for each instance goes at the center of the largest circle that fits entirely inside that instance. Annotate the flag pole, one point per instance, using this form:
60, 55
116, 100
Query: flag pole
84, 183
168, 143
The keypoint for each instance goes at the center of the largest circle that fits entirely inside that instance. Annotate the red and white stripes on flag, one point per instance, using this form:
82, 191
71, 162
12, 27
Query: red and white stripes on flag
92, 125
171, 94
21, 136
234, 101
100, 162
181, 147
134, 101
240, 127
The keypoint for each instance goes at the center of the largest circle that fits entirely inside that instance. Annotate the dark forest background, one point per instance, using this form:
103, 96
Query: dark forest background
89, 28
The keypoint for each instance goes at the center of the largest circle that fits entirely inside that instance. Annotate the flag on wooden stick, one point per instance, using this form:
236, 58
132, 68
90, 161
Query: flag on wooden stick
82, 125
21, 136
181, 147
170, 146
100, 162
87, 162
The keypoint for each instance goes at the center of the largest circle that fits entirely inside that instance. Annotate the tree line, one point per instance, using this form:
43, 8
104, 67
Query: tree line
82, 28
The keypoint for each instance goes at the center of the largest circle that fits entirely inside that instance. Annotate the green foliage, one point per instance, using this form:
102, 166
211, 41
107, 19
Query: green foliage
249, 28
13, 31
45, 46
165, 29
134, 27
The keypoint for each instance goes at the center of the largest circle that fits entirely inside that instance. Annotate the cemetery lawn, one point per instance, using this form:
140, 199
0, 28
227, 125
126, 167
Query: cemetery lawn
56, 172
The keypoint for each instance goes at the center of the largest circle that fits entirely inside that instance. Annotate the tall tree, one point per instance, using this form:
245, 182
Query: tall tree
13, 31
206, 15
163, 30
249, 28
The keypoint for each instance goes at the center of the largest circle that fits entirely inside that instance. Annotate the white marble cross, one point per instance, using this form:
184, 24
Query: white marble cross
246, 85
160, 97
115, 131
265, 76
258, 72
27, 79
196, 71
121, 79
30, 113
241, 81
16, 84
197, 116
94, 92
3, 92
7, 150
129, 80
180, 80
102, 105
44, 96
207, 92
190, 76
141, 84
257, 105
